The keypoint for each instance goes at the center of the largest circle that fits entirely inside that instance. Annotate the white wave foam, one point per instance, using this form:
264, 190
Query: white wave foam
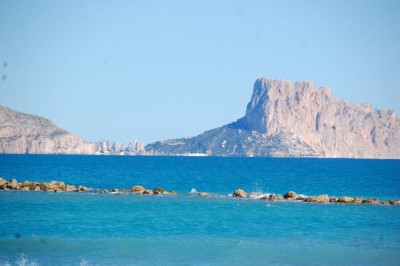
23, 260
193, 191
259, 195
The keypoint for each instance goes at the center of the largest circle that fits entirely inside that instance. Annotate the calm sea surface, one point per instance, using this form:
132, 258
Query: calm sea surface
104, 229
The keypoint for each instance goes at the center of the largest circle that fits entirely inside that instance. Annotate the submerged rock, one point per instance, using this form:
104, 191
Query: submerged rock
240, 193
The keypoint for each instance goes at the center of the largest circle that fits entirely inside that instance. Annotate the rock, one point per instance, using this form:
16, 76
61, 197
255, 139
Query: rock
105, 191
310, 199
297, 119
345, 200
385, 203
148, 192
137, 189
172, 192
394, 202
301, 197
290, 195
24, 188
83, 189
240, 193
322, 198
12, 184
358, 200
2, 181
370, 201
70, 188
159, 190
275, 197
40, 136
203, 194
333, 200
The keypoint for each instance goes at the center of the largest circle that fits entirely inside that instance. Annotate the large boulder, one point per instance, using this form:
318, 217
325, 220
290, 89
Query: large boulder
240, 193
148, 192
322, 198
54, 186
290, 195
2, 181
275, 197
159, 191
138, 189
82, 189
12, 184
370, 201
358, 200
70, 188
345, 200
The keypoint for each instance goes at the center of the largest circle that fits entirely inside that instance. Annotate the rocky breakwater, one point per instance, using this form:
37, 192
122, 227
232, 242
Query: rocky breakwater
324, 198
53, 186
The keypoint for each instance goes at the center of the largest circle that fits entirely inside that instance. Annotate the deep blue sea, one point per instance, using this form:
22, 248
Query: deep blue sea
44, 228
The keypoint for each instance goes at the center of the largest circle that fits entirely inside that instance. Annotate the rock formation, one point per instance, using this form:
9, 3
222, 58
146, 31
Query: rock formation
28, 134
286, 119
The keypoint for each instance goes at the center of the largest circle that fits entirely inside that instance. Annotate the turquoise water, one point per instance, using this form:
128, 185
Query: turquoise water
98, 229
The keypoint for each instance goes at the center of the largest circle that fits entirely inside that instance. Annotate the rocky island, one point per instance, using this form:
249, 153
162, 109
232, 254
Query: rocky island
296, 119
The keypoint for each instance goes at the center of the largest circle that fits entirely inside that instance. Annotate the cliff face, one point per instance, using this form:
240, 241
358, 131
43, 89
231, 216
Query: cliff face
286, 119
28, 134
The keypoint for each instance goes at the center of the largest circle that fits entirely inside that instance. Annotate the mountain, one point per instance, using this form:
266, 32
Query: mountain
286, 119
28, 134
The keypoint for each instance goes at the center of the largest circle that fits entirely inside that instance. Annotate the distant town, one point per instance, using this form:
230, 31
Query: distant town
119, 148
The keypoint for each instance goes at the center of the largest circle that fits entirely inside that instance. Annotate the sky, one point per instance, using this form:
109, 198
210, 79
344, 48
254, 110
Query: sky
156, 70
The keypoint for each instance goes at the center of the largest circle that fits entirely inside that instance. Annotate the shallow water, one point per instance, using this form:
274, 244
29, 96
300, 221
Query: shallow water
106, 229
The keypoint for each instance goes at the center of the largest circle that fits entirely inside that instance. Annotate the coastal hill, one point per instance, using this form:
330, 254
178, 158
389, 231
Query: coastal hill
24, 133
300, 119
29, 134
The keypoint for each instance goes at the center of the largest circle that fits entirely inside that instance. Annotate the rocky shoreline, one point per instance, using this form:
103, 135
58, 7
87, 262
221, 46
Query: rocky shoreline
290, 196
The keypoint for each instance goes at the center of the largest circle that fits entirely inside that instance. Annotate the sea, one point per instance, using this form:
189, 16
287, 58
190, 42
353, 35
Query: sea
46, 228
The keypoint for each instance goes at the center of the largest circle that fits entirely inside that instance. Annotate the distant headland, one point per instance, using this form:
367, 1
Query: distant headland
282, 119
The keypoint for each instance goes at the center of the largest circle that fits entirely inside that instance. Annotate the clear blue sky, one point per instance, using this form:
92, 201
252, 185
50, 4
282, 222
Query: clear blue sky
153, 70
